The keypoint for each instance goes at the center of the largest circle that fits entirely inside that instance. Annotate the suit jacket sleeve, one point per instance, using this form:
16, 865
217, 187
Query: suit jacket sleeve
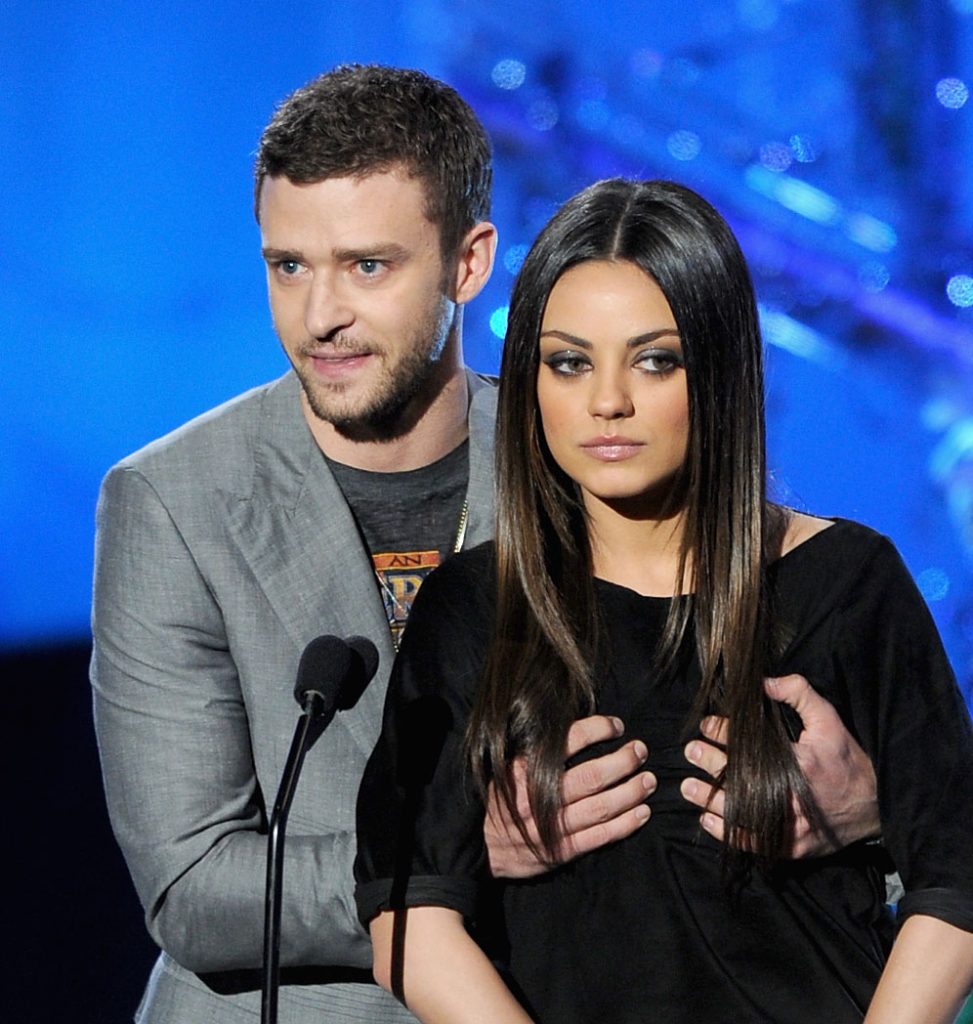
176, 749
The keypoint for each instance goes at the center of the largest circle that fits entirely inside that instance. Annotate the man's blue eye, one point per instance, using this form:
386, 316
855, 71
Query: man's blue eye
290, 266
369, 266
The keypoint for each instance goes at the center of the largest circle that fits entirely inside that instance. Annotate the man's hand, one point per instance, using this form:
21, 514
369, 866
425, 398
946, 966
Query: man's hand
838, 771
603, 800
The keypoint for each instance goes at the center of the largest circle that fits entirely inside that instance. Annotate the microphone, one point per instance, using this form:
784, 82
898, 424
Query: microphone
331, 676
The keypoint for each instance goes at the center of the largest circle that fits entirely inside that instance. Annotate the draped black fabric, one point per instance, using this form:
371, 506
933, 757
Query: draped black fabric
645, 930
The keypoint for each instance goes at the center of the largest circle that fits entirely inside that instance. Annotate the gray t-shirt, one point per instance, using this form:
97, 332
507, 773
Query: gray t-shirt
409, 522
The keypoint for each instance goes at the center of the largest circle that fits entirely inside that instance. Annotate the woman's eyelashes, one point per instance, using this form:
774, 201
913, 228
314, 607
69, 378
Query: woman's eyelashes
568, 363
659, 361
656, 361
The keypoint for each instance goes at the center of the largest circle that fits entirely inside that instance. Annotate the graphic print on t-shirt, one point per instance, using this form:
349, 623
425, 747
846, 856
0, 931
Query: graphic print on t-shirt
400, 574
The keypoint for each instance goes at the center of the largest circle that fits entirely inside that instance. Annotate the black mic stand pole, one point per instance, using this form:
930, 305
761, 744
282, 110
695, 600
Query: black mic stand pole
300, 744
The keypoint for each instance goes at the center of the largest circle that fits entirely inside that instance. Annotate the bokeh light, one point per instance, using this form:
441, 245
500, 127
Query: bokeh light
933, 583
513, 258
804, 150
509, 74
542, 115
498, 321
874, 277
959, 290
952, 93
684, 145
775, 156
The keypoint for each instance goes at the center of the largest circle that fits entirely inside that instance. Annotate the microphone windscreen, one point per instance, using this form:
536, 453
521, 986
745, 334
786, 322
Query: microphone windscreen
364, 665
325, 664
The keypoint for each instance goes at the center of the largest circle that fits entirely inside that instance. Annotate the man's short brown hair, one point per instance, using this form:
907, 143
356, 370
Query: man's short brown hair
358, 120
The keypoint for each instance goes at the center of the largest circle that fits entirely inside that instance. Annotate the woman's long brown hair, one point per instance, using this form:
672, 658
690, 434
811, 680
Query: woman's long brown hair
538, 675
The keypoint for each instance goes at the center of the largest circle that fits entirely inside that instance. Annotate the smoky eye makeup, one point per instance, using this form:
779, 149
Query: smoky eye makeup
567, 362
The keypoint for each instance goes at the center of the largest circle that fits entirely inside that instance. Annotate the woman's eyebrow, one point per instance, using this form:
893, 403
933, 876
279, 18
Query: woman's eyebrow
639, 339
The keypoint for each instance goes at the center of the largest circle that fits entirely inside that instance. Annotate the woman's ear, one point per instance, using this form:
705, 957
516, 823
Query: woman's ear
474, 261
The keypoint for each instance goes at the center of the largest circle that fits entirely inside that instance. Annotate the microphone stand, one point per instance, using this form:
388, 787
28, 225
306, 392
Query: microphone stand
304, 736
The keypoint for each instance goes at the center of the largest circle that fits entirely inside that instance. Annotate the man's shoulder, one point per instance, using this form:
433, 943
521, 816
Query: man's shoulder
219, 442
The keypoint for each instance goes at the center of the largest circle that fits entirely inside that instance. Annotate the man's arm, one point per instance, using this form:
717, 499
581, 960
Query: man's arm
176, 747
838, 771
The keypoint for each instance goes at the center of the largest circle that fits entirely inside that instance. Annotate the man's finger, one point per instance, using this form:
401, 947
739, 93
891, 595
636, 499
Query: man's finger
593, 729
715, 728
796, 691
577, 843
706, 756
606, 805
601, 773
713, 825
703, 795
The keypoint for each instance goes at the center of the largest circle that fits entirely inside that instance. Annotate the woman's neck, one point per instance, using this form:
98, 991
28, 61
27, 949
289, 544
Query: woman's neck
638, 552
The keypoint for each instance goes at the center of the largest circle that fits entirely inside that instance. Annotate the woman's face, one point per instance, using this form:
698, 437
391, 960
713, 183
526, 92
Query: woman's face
611, 385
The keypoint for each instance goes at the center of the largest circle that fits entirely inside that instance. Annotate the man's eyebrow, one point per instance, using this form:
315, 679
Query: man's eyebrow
376, 251
639, 339
280, 255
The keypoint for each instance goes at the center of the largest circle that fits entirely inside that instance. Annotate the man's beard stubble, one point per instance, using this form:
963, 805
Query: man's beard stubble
401, 393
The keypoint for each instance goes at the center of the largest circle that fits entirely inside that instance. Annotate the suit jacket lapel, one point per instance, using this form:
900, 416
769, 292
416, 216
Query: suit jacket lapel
301, 541
479, 494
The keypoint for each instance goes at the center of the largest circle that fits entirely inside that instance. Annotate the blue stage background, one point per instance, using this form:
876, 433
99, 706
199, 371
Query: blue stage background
836, 135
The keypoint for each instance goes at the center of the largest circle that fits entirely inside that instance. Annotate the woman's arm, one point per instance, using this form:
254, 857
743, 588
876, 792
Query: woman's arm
426, 958
927, 977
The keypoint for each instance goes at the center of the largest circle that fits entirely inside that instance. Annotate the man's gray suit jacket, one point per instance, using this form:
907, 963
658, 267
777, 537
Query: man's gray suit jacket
222, 550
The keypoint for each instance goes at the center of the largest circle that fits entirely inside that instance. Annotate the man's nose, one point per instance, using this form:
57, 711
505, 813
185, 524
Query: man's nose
327, 310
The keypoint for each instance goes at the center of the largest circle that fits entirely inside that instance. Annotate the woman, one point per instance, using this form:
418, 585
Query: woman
639, 570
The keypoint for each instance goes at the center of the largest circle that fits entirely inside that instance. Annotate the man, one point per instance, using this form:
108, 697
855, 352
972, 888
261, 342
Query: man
315, 504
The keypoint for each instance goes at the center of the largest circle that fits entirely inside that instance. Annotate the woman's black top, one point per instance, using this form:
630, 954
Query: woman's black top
646, 929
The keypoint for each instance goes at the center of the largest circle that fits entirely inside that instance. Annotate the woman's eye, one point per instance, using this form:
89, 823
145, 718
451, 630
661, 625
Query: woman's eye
567, 363
659, 362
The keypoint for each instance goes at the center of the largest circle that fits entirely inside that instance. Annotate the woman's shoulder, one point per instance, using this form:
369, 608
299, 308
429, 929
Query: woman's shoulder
838, 553
451, 620
475, 565
829, 537
469, 576
799, 527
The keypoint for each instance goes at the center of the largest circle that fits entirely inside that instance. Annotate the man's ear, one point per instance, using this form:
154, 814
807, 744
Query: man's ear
474, 261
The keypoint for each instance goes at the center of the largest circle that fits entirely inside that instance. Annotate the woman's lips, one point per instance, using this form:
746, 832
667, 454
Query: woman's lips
612, 449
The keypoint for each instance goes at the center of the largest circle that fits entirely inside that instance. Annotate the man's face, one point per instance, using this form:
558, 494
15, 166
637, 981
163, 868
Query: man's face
359, 296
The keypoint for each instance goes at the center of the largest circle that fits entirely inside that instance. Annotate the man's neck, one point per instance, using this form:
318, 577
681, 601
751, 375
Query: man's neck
439, 428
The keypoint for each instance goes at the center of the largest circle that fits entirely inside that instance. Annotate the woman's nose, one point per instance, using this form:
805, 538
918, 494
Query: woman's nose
609, 397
